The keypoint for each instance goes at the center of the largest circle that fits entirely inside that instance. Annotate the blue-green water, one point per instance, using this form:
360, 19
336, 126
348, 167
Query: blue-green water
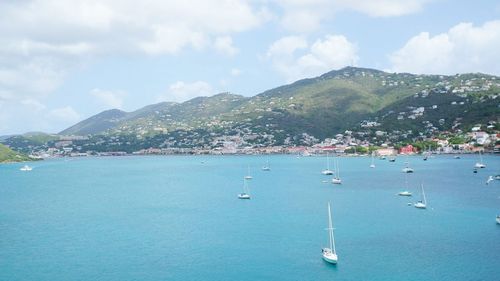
178, 218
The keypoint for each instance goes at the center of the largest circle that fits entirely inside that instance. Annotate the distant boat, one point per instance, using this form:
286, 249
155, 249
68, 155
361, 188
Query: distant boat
327, 171
490, 179
474, 171
248, 176
382, 157
372, 165
245, 194
392, 159
497, 177
405, 192
421, 204
407, 169
336, 179
329, 253
457, 157
498, 219
266, 167
480, 164
26, 168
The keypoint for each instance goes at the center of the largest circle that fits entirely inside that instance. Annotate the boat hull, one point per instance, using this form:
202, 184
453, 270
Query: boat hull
329, 257
243, 196
404, 193
420, 206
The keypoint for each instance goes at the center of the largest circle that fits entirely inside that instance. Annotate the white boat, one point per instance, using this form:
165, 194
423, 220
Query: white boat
266, 167
372, 165
407, 169
336, 179
329, 253
421, 204
405, 192
26, 168
327, 171
245, 194
490, 179
498, 219
248, 176
392, 159
480, 164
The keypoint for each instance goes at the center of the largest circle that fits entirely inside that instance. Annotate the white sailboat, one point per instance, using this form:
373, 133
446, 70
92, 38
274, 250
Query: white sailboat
407, 169
421, 204
336, 179
372, 165
245, 194
405, 192
329, 253
327, 171
266, 167
480, 164
26, 168
248, 176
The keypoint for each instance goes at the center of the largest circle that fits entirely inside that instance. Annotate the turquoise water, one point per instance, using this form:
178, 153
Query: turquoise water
178, 218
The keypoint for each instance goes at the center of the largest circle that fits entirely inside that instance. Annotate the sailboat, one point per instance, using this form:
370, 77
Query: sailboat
26, 168
266, 167
407, 169
480, 163
405, 192
372, 165
421, 204
336, 179
329, 253
245, 194
248, 176
327, 171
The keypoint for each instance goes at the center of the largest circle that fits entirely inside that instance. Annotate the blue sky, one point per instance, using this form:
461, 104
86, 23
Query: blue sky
63, 61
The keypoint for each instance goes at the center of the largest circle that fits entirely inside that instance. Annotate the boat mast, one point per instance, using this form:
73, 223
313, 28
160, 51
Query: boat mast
423, 194
330, 229
327, 161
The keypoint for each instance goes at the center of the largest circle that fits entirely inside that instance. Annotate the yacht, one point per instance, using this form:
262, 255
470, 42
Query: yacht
245, 194
327, 171
480, 164
407, 169
405, 192
248, 176
372, 165
329, 253
421, 204
26, 168
336, 179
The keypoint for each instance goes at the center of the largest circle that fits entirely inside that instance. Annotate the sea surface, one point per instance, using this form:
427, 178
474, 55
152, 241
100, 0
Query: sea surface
178, 218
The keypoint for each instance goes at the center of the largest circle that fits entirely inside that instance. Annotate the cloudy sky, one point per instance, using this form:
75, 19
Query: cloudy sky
63, 61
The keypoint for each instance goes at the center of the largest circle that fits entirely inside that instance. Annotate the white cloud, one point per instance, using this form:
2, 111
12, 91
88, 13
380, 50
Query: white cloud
464, 48
111, 99
181, 91
224, 45
384, 8
42, 41
33, 104
308, 15
295, 59
67, 113
235, 72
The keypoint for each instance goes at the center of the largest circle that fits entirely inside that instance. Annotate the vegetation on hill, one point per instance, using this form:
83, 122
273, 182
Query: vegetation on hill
9, 155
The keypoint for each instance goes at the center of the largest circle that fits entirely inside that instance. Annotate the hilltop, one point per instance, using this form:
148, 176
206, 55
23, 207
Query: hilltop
377, 106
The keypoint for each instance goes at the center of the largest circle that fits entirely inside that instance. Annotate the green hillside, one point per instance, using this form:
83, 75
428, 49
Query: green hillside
9, 155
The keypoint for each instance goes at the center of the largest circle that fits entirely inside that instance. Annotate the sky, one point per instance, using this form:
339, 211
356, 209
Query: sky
64, 61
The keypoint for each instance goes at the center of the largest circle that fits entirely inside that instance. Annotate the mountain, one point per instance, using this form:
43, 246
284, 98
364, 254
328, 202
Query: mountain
9, 155
323, 106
